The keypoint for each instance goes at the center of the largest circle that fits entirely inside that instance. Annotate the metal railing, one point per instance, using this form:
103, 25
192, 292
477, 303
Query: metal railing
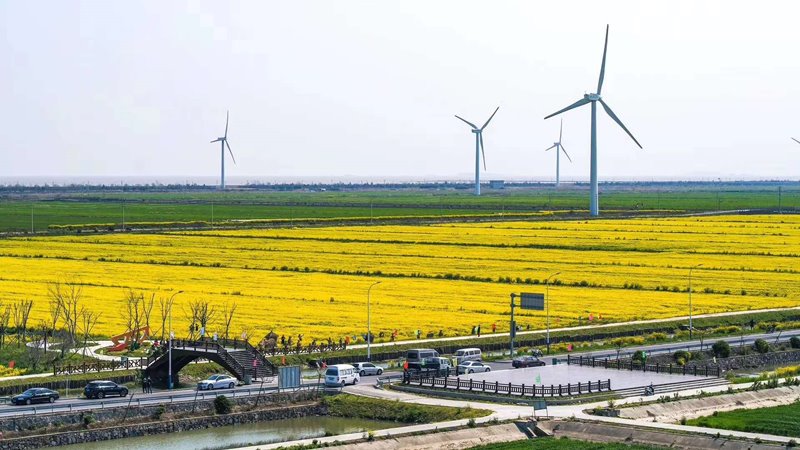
522, 390
623, 364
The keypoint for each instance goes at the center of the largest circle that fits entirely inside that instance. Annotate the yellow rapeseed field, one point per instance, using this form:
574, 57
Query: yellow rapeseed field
447, 277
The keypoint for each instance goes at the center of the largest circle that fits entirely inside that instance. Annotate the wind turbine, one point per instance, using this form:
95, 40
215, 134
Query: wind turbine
479, 149
594, 208
223, 143
796, 140
559, 148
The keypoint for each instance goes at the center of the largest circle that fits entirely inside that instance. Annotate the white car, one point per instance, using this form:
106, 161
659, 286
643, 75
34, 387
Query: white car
217, 382
473, 367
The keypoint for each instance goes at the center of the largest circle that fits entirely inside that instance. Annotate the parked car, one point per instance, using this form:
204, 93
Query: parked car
417, 356
35, 395
366, 368
102, 389
468, 354
219, 381
473, 367
436, 366
340, 374
526, 361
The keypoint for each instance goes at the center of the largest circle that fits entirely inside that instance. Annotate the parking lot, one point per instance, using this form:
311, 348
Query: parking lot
563, 374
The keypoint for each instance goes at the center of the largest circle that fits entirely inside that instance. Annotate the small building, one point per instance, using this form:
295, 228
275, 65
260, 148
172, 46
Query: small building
497, 184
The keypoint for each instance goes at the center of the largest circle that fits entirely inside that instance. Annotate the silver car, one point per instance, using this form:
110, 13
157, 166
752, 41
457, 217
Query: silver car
366, 368
217, 382
473, 367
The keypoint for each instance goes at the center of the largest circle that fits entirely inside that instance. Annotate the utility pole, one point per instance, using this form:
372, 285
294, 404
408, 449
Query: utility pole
547, 306
690, 299
780, 210
31, 218
513, 332
171, 337
123, 217
212, 215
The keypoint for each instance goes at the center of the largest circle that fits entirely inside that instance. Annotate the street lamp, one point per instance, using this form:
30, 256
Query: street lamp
690, 298
547, 306
369, 332
171, 335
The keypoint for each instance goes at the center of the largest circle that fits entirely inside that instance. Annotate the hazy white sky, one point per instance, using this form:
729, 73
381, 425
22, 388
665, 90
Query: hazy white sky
369, 88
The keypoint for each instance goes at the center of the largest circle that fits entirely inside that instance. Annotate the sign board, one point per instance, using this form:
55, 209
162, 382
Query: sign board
289, 377
531, 301
540, 405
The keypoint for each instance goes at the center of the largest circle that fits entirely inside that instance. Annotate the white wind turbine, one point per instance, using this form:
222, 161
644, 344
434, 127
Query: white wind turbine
796, 140
223, 143
559, 148
479, 149
594, 208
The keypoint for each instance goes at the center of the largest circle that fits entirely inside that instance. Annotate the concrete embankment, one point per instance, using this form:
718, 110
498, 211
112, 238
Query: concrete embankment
49, 430
625, 434
673, 411
447, 440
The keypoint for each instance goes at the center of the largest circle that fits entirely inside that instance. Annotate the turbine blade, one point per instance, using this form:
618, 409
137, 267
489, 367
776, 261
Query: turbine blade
490, 118
230, 151
550, 148
561, 130
226, 123
467, 122
619, 122
216, 140
796, 140
580, 102
482, 152
603, 65
565, 152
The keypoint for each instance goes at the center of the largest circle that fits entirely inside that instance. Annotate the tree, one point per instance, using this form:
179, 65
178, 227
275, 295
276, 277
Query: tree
200, 314
5, 317
147, 309
721, 349
794, 342
227, 317
88, 320
21, 312
68, 298
134, 316
163, 313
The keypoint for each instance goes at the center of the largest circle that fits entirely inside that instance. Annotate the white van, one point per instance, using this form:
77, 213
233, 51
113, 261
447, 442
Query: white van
468, 354
341, 374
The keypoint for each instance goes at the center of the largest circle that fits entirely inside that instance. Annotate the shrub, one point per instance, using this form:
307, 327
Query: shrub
682, 355
721, 349
794, 342
761, 346
223, 405
88, 419
471, 423
639, 356
159, 412
791, 443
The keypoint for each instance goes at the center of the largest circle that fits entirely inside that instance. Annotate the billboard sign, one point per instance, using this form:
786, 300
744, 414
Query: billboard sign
532, 301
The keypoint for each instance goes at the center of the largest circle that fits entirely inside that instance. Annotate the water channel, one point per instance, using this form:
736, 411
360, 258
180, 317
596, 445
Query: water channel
241, 435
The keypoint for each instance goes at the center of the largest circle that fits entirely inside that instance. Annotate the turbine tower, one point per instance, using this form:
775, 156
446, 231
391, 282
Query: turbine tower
594, 208
559, 148
223, 143
479, 149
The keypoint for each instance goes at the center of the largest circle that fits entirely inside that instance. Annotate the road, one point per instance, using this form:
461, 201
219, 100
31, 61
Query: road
593, 326
137, 399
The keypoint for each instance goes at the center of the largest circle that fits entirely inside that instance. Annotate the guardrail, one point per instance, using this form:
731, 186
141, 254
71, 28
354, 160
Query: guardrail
621, 364
532, 390
181, 397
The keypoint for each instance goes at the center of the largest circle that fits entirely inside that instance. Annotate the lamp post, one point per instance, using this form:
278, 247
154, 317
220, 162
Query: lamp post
369, 328
547, 306
171, 335
369, 324
690, 298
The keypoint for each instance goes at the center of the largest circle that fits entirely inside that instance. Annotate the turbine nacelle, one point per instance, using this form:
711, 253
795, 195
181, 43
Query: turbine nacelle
476, 131
592, 97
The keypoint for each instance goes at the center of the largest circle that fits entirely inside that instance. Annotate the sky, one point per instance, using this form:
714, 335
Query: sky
367, 90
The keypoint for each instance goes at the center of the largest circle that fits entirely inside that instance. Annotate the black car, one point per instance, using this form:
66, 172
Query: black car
527, 361
101, 389
35, 395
